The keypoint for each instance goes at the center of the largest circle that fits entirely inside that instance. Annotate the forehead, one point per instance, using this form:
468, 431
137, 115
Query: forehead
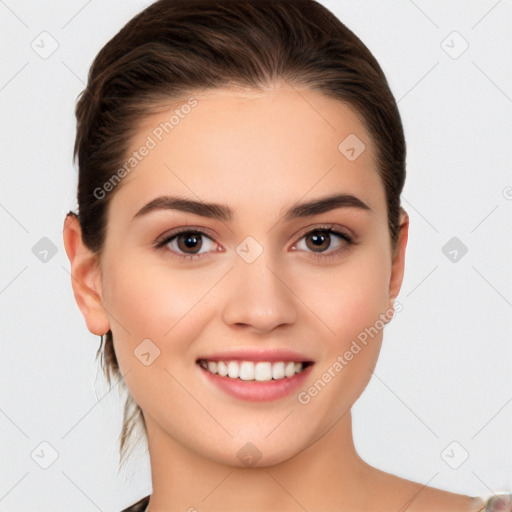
249, 148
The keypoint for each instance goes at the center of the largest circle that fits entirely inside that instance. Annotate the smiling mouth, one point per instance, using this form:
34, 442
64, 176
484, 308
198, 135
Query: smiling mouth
260, 371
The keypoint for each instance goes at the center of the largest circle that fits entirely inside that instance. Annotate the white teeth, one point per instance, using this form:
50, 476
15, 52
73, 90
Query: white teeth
247, 370
263, 372
222, 369
278, 371
289, 371
233, 369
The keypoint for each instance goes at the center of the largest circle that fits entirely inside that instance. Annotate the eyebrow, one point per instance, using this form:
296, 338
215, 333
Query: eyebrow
225, 213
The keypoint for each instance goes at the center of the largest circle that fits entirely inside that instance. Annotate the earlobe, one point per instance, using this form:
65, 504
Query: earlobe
398, 264
85, 277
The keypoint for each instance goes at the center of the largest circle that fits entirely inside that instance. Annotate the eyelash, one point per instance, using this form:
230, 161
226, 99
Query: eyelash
161, 244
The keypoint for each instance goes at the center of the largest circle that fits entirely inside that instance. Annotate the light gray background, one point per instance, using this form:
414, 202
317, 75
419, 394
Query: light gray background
444, 375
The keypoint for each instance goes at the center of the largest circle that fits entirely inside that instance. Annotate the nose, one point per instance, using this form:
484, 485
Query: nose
258, 297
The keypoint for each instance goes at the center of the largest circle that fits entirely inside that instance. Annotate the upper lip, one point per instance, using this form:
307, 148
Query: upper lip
271, 356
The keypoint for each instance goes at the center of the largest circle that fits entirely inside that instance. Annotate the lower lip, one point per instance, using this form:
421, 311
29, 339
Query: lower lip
255, 391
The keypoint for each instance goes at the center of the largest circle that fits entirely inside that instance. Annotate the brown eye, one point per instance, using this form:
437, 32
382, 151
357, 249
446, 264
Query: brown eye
320, 240
190, 241
187, 244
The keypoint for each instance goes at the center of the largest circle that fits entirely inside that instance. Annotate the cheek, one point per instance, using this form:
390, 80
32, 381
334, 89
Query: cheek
153, 302
149, 299
347, 298
155, 316
352, 300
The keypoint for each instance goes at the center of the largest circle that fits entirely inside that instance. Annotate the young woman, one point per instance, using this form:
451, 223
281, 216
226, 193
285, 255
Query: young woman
239, 229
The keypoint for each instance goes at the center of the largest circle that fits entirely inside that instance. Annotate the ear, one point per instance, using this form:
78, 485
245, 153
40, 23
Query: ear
398, 260
85, 277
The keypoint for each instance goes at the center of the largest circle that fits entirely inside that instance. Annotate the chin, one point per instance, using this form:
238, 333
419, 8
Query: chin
252, 452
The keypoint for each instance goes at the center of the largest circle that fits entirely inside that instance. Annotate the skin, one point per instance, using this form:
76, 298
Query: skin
259, 154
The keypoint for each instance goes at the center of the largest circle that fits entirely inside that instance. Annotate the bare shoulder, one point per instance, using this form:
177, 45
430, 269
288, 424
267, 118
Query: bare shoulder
430, 499
399, 494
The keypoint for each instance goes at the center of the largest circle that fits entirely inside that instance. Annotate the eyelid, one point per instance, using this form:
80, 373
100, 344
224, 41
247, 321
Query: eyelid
163, 238
327, 227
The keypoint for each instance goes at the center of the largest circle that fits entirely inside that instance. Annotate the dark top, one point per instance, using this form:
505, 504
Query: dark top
140, 506
494, 504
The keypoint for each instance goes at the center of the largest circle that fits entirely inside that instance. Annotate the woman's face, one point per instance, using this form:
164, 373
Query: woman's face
266, 283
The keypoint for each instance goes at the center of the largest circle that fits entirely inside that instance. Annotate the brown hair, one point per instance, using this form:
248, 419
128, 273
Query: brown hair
174, 47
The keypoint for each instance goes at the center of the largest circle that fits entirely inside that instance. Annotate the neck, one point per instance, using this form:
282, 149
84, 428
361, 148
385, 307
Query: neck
328, 473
